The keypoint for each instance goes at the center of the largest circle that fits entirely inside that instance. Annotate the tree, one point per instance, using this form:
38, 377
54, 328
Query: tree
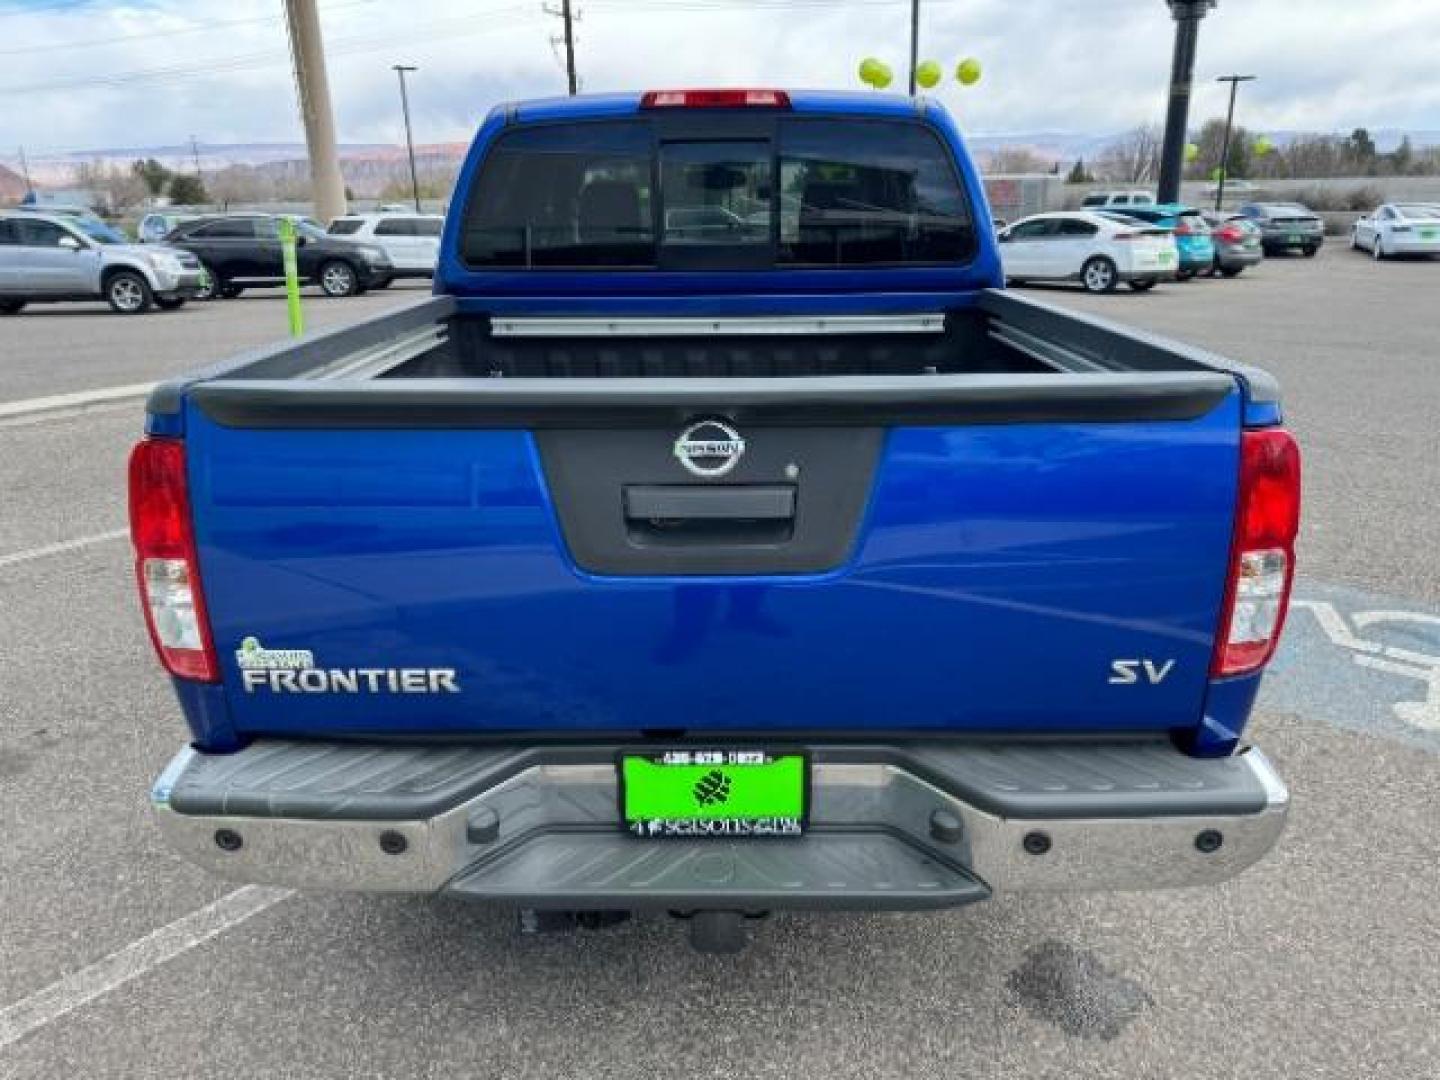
1017, 160
1360, 149
1403, 159
1211, 142
153, 175
236, 184
1078, 175
1133, 158
187, 190
120, 187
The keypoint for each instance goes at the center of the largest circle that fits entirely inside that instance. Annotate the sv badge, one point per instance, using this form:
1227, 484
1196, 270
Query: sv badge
1130, 672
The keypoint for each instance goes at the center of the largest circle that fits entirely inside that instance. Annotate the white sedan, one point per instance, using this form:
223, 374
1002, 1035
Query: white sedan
1399, 229
1099, 250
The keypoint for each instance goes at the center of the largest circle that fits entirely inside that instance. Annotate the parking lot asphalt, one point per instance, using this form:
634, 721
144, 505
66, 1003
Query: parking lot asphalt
53, 349
1320, 962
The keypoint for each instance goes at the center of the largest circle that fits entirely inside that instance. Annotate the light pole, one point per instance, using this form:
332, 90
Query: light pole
914, 41
1234, 81
401, 69
1187, 15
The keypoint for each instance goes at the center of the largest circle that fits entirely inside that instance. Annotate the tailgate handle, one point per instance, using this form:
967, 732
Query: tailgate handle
691, 515
689, 502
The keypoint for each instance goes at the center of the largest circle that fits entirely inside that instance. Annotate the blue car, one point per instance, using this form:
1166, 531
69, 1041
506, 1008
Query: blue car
1192, 234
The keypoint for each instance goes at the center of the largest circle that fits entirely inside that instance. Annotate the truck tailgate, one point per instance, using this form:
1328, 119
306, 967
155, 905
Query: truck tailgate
931, 574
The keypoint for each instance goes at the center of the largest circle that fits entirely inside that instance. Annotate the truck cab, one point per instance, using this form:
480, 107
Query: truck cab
720, 537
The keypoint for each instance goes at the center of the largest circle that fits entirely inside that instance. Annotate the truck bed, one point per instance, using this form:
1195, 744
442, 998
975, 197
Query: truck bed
939, 507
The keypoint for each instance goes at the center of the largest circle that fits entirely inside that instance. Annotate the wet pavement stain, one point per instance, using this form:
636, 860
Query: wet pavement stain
1073, 990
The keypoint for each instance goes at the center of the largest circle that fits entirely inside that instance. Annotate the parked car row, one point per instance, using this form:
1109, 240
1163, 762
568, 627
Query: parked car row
63, 256
1138, 245
241, 251
1124, 237
1099, 249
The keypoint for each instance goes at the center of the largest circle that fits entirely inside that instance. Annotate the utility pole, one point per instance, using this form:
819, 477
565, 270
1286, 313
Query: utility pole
569, 46
565, 12
1187, 15
195, 155
401, 69
914, 41
1234, 81
307, 50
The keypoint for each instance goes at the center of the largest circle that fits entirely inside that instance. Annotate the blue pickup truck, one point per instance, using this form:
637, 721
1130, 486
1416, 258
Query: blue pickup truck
719, 538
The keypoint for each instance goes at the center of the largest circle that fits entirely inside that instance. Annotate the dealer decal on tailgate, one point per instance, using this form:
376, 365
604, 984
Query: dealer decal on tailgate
293, 671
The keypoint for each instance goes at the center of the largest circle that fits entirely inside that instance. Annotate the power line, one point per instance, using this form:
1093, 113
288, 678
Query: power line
41, 9
270, 57
179, 31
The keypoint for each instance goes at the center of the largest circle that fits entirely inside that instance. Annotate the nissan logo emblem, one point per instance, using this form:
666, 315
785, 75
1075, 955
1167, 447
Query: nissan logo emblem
709, 448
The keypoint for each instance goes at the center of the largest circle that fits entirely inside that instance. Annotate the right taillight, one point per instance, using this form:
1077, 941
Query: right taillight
165, 561
1262, 556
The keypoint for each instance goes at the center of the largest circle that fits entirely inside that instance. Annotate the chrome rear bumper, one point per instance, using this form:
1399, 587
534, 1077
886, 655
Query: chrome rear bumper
906, 826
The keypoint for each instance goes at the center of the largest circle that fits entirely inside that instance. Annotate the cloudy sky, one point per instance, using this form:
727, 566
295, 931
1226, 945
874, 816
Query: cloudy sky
85, 74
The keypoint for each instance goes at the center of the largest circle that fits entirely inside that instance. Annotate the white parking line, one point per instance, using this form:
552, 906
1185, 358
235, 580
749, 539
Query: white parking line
132, 961
61, 547
71, 403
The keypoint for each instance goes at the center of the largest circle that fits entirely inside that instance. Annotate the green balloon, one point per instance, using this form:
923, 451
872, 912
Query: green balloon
968, 71
883, 77
928, 74
1192, 151
870, 70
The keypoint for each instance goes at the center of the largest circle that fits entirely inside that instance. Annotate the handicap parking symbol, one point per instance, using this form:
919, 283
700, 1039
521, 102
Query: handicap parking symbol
1361, 634
1359, 661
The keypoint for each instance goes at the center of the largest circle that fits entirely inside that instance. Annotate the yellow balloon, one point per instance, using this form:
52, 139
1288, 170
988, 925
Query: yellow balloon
870, 70
928, 74
968, 71
1263, 146
883, 77
1191, 151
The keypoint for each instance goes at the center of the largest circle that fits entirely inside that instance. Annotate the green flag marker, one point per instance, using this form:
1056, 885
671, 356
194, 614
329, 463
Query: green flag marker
292, 276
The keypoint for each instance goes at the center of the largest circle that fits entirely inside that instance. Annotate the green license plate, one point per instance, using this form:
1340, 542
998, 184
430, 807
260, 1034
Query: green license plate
1429, 234
714, 792
1166, 257
1296, 238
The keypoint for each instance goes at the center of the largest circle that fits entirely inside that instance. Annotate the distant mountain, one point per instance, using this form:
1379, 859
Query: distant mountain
364, 164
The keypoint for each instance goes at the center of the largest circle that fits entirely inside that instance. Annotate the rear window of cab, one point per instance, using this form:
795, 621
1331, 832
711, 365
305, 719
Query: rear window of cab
817, 193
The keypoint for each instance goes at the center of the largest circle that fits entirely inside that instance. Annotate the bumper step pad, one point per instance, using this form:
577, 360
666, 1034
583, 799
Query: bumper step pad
822, 870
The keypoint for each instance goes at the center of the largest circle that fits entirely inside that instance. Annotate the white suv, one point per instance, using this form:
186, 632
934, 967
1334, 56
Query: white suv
1109, 199
411, 240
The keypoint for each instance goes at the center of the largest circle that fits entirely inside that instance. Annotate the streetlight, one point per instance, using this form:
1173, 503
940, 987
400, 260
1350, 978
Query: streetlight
914, 42
1234, 81
1187, 15
401, 69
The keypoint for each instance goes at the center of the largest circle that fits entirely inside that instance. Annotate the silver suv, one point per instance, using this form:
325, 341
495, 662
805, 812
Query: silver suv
47, 257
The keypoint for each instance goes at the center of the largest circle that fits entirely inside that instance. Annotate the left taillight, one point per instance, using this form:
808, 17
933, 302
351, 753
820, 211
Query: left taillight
165, 564
1262, 557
